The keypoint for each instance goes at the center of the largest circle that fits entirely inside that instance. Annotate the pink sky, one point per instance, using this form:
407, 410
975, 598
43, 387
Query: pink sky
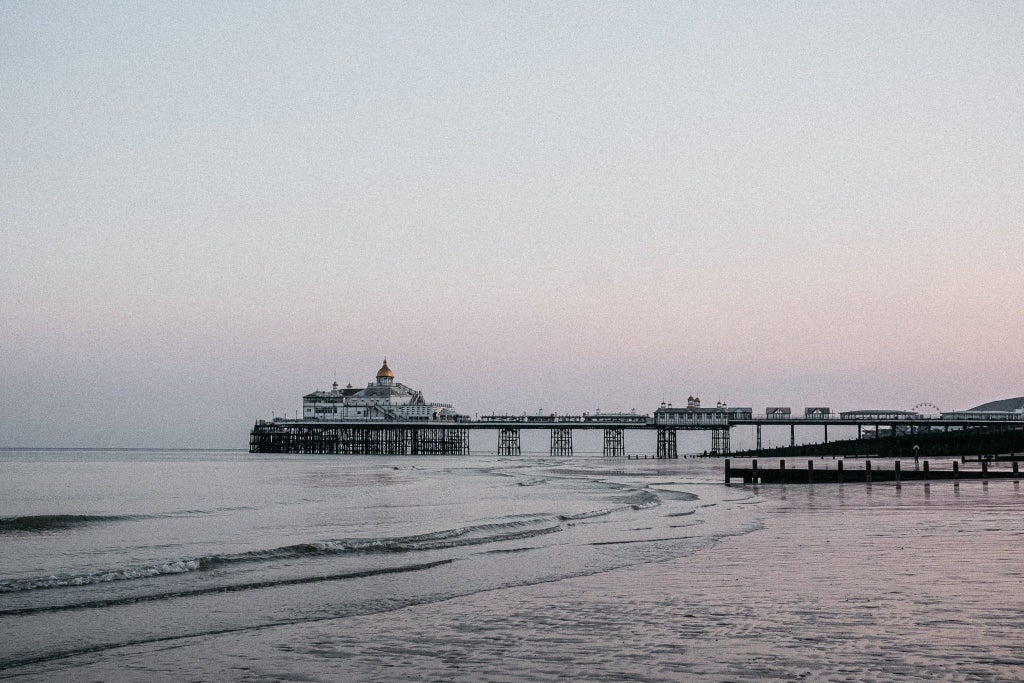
207, 211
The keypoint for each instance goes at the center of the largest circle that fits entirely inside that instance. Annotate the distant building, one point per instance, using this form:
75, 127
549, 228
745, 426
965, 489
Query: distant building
879, 415
382, 399
1006, 409
694, 414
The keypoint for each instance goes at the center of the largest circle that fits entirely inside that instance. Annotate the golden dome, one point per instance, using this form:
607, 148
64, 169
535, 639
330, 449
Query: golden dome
385, 371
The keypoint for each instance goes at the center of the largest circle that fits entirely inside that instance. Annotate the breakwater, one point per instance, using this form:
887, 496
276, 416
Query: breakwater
980, 440
867, 473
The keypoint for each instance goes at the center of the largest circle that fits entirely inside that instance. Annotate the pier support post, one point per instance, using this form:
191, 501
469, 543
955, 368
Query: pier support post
782, 471
758, 437
792, 435
614, 443
720, 440
561, 441
753, 471
1015, 468
826, 433
667, 443
810, 471
867, 471
956, 470
984, 469
728, 474
509, 442
839, 465
896, 469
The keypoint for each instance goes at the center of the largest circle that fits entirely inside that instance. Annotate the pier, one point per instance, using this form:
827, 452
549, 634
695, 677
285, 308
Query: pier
389, 418
933, 437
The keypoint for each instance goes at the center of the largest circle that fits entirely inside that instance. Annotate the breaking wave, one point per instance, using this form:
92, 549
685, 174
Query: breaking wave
449, 538
642, 500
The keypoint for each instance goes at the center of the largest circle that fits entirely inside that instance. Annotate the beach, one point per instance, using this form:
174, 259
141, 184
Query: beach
825, 582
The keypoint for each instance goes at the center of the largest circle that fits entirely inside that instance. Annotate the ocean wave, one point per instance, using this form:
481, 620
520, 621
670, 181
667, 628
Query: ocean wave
449, 538
642, 500
37, 523
670, 494
59, 522
229, 588
591, 513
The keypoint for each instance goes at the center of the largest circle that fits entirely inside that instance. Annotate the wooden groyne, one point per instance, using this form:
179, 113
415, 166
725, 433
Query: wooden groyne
979, 441
868, 473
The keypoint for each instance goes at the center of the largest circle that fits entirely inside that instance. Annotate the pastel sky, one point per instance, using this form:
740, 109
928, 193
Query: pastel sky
210, 209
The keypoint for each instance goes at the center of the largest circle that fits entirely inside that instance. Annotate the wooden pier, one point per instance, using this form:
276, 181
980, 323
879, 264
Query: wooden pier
866, 474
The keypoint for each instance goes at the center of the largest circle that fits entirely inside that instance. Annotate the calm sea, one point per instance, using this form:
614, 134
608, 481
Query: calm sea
229, 566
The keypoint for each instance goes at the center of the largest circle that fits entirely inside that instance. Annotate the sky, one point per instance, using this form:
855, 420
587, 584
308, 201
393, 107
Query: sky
208, 210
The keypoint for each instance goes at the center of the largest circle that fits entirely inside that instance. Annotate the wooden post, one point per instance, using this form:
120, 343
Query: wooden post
926, 468
810, 471
867, 471
956, 470
984, 469
897, 470
782, 471
1015, 472
753, 471
727, 474
840, 466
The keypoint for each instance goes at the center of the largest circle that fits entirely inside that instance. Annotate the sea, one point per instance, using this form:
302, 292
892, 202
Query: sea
229, 566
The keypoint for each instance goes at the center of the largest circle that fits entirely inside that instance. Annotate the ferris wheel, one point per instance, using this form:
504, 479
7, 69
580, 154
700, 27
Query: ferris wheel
927, 409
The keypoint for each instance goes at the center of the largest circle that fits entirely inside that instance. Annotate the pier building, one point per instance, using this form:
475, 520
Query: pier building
382, 399
1009, 408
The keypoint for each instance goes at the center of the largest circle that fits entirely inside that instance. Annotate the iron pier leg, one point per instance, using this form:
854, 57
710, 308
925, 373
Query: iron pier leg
561, 441
667, 443
720, 440
614, 443
508, 441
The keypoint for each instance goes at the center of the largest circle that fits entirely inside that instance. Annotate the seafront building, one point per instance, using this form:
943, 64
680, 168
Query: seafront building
693, 413
382, 399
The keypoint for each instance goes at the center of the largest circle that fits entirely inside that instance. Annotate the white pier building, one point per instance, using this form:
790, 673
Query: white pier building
382, 399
